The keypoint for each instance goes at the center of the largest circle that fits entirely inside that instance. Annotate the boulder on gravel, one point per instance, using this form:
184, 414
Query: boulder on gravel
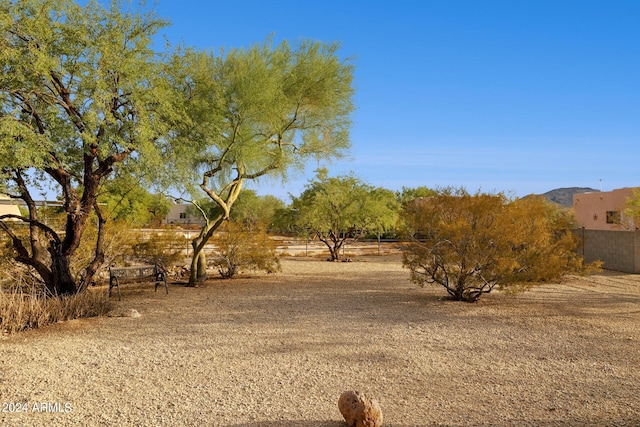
359, 410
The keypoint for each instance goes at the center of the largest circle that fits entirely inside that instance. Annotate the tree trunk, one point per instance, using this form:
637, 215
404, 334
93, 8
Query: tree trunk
333, 245
198, 274
62, 282
334, 251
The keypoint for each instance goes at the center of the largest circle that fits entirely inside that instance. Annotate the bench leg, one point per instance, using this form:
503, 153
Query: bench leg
114, 283
161, 278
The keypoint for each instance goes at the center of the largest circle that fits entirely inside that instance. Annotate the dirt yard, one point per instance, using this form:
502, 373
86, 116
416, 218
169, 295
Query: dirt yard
277, 350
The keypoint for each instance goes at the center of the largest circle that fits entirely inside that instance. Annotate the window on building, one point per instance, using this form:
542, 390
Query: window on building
613, 217
183, 215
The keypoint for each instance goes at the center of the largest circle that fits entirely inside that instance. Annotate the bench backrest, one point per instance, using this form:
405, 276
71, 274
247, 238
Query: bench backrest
135, 272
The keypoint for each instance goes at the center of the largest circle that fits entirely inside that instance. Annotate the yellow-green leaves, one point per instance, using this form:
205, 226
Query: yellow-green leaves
20, 146
337, 209
265, 109
471, 243
81, 77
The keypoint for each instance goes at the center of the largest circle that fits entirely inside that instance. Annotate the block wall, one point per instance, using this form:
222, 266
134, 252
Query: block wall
619, 250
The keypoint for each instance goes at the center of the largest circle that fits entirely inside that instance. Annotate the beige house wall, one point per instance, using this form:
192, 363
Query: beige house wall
7, 208
178, 214
602, 210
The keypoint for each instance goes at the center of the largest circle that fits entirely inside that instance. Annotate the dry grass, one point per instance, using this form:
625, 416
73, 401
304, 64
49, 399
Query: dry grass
20, 310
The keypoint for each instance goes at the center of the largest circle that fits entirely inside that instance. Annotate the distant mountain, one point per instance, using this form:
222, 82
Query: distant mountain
564, 196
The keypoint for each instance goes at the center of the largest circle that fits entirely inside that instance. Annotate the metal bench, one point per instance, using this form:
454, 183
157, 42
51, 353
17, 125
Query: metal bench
137, 273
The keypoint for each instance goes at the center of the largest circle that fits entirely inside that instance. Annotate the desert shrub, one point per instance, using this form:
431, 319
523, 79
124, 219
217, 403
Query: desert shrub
123, 246
164, 249
20, 310
118, 242
244, 247
469, 244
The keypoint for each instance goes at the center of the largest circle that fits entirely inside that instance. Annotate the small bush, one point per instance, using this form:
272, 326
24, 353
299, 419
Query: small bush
244, 247
161, 249
20, 310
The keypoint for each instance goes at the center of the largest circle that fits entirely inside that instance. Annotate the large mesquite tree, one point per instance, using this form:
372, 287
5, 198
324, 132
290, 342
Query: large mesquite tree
79, 95
258, 112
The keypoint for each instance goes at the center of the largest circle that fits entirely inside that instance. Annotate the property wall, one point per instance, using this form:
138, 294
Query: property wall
619, 250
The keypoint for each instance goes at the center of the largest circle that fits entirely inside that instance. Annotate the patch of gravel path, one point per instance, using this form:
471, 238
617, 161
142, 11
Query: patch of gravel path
277, 350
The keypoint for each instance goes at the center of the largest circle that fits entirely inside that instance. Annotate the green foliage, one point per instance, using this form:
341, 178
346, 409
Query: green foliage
261, 111
284, 221
126, 200
76, 80
385, 212
343, 208
164, 249
470, 244
82, 93
252, 209
408, 194
242, 246
249, 208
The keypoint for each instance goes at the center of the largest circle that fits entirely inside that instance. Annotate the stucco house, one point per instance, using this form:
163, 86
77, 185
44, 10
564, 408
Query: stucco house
181, 214
603, 210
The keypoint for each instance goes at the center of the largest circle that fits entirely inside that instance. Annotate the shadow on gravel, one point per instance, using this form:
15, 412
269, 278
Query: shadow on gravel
292, 423
631, 422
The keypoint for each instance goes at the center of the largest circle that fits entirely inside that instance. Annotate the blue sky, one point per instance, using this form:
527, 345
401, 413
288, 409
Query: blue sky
500, 95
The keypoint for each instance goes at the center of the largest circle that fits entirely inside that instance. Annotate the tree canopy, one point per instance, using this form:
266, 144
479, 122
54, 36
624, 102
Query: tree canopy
124, 199
261, 111
409, 194
252, 209
249, 208
80, 94
340, 209
471, 243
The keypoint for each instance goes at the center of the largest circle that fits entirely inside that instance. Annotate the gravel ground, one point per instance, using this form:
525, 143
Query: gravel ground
278, 350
